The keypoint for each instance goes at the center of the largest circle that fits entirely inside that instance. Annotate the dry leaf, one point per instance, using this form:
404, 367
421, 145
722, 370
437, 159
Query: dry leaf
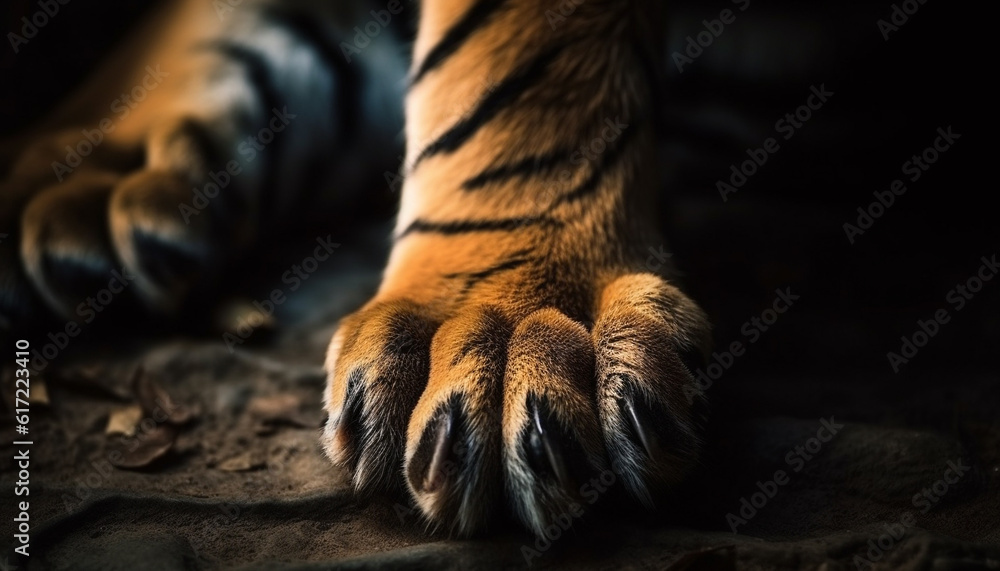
276, 410
241, 313
156, 403
241, 463
151, 445
124, 420
274, 406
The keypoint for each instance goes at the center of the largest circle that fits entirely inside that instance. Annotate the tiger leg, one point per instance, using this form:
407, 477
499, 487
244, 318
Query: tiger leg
520, 343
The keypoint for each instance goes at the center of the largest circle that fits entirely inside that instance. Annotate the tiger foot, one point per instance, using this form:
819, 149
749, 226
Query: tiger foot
518, 345
511, 401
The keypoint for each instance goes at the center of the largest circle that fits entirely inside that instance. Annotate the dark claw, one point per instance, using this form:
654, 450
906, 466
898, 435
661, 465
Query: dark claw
654, 429
435, 473
641, 429
552, 451
434, 460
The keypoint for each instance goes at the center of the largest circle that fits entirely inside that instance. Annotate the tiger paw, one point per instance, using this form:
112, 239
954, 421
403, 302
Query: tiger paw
496, 389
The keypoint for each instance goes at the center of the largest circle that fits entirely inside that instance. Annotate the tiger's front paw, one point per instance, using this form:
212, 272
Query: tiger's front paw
498, 402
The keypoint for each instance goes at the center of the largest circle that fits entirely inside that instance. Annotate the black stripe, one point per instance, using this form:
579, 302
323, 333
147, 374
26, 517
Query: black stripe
466, 226
524, 168
346, 78
509, 90
501, 267
475, 18
473, 278
608, 159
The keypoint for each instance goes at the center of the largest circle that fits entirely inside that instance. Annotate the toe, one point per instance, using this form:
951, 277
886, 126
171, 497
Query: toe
453, 452
551, 436
645, 334
64, 242
377, 365
170, 250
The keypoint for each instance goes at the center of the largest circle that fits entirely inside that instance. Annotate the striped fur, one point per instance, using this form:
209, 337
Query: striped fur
556, 354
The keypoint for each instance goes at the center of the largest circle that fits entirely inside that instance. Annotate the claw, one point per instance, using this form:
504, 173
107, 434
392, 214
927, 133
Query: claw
432, 460
641, 431
551, 450
435, 473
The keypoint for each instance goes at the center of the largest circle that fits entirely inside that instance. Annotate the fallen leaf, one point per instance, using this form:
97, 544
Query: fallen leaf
279, 410
124, 420
156, 403
241, 463
274, 406
152, 444
237, 314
